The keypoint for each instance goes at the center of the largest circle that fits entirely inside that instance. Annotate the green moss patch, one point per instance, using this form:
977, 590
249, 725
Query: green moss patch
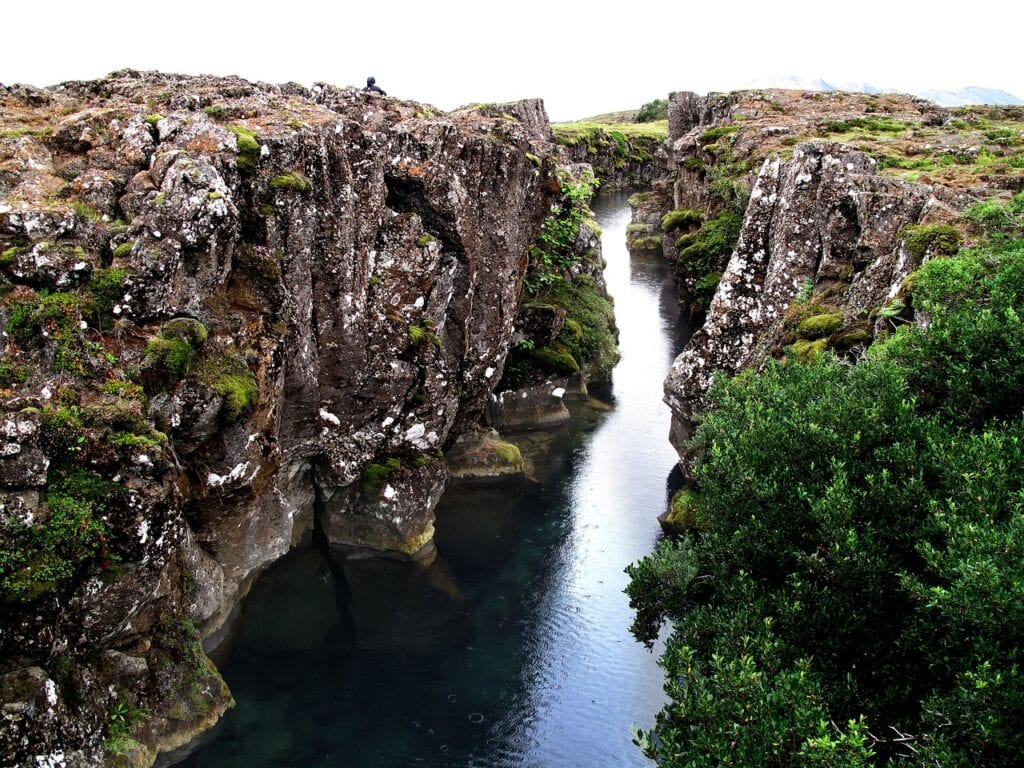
229, 376
290, 181
681, 218
248, 153
817, 326
808, 351
931, 240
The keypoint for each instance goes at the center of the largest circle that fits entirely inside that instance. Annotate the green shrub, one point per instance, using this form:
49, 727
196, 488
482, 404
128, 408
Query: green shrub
996, 218
106, 287
864, 555
710, 247
653, 110
42, 557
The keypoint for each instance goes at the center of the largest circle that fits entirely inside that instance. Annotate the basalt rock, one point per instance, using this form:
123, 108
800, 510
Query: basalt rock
253, 295
821, 238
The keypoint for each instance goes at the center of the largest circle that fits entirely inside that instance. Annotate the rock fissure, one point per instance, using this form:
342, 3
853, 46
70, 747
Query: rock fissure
270, 310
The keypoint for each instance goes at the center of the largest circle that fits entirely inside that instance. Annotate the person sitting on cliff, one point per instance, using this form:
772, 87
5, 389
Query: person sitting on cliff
372, 87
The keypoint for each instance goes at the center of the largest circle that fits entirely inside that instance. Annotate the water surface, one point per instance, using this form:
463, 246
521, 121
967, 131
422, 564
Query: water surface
512, 648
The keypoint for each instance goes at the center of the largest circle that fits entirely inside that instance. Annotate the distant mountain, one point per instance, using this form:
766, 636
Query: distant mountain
971, 95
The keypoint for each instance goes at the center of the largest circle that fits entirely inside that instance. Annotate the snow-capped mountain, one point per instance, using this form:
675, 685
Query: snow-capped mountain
972, 94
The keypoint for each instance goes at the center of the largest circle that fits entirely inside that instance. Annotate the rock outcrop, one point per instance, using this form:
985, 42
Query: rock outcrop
791, 215
821, 223
233, 311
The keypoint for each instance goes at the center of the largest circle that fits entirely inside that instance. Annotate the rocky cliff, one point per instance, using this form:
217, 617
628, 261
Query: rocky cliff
622, 154
795, 218
234, 313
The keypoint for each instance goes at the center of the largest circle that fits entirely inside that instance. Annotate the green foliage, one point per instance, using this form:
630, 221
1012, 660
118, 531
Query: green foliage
712, 135
216, 111
704, 289
41, 556
555, 251
35, 318
174, 355
153, 119
248, 152
589, 333
229, 376
106, 287
85, 211
864, 556
931, 240
875, 124
653, 110
290, 181
969, 363
425, 239
681, 218
11, 374
376, 475
996, 218
684, 511
123, 250
710, 247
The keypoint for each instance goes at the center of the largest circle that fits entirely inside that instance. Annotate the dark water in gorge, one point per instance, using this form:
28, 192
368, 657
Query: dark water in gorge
513, 648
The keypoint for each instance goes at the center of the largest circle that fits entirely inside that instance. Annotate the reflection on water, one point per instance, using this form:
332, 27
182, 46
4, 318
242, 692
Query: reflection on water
512, 648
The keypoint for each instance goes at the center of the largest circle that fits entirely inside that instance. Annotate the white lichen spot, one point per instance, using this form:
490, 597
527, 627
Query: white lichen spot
488, 373
558, 392
328, 416
143, 531
214, 480
415, 432
390, 493
419, 302
387, 422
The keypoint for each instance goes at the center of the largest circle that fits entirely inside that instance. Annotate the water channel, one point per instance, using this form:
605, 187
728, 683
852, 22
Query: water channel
513, 648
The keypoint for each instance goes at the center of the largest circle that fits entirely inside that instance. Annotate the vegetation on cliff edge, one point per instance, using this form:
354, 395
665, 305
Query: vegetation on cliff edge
857, 597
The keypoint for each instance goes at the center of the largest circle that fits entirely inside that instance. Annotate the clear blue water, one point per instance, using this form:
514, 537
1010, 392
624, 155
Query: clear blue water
512, 648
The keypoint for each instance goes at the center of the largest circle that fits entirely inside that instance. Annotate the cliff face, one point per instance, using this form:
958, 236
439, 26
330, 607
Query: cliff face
231, 309
790, 217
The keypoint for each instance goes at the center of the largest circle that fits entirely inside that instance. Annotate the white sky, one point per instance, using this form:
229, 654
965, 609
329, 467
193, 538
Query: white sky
582, 58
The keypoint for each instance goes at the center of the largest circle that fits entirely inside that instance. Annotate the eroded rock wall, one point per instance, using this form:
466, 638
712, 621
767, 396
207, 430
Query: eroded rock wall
265, 293
821, 228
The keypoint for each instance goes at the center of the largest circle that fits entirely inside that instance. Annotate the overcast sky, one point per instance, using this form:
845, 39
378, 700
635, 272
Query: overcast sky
582, 58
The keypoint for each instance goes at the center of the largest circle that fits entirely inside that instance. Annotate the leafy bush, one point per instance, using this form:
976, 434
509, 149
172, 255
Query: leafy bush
864, 560
653, 110
712, 244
